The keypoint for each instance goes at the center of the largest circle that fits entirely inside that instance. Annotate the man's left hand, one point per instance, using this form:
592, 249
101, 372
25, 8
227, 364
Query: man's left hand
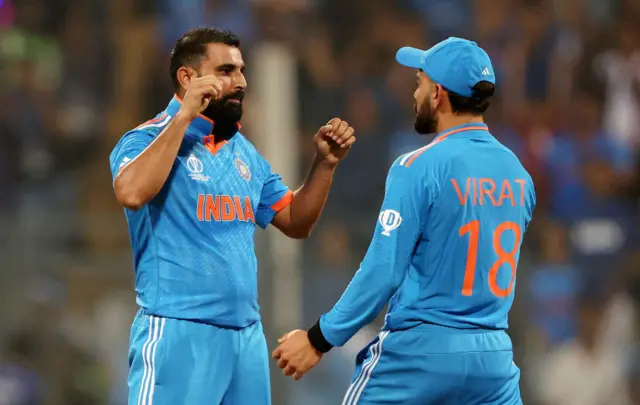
334, 140
295, 355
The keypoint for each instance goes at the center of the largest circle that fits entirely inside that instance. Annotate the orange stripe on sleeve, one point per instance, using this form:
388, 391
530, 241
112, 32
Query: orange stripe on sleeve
283, 202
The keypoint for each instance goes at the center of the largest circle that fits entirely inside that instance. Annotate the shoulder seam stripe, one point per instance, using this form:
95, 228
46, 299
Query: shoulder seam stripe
154, 120
162, 123
408, 155
420, 151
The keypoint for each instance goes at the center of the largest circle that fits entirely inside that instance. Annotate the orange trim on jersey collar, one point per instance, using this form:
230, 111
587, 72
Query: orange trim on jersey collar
478, 127
211, 145
202, 116
442, 137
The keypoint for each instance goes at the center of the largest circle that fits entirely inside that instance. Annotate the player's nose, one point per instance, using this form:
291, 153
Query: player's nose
240, 82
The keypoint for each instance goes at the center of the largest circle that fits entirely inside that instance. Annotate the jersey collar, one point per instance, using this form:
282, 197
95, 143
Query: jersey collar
473, 126
202, 126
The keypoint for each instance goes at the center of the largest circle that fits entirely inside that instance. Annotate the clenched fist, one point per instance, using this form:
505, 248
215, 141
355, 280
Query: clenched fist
200, 92
334, 140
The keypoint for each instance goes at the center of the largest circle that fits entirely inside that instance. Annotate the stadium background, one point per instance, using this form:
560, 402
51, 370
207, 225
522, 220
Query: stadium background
75, 74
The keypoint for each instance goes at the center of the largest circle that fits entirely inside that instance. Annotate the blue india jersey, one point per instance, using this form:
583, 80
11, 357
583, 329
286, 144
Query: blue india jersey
193, 244
447, 242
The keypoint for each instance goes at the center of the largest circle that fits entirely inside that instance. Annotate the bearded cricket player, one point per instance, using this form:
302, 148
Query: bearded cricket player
444, 254
194, 189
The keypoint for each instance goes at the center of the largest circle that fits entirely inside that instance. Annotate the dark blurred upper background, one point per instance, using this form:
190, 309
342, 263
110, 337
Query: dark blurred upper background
76, 74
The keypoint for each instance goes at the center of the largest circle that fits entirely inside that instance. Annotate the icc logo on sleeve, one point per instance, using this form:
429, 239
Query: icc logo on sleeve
390, 220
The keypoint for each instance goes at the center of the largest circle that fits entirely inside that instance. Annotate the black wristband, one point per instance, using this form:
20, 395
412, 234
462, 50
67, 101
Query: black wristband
317, 339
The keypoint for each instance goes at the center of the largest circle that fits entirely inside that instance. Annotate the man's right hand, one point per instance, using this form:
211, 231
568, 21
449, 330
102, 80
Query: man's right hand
200, 92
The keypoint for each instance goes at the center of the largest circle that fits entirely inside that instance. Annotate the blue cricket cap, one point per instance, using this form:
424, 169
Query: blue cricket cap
456, 64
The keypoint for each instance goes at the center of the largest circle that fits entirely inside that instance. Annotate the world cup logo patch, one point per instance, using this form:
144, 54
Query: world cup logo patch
196, 168
243, 169
194, 164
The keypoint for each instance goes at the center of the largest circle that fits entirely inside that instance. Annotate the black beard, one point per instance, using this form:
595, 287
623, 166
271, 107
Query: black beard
426, 121
225, 115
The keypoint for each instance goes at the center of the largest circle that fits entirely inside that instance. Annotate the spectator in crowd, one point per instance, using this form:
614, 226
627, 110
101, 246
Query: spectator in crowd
581, 371
619, 70
554, 288
582, 142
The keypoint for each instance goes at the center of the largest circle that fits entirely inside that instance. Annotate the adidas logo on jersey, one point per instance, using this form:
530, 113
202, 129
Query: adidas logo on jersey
125, 161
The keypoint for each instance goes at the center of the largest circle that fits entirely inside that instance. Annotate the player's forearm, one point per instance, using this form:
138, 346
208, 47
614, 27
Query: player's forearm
361, 302
141, 180
310, 199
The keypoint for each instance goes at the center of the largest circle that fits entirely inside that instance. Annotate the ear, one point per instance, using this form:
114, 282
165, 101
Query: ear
185, 74
439, 94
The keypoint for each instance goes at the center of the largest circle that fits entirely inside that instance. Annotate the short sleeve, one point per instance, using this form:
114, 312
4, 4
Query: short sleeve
130, 146
275, 196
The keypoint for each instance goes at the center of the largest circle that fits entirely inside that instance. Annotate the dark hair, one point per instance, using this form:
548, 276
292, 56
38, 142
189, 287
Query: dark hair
192, 46
477, 104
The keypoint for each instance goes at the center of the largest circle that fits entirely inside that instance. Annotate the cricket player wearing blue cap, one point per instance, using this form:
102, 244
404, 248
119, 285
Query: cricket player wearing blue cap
444, 254
194, 190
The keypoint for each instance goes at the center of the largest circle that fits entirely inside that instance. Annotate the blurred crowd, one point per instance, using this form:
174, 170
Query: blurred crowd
76, 74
